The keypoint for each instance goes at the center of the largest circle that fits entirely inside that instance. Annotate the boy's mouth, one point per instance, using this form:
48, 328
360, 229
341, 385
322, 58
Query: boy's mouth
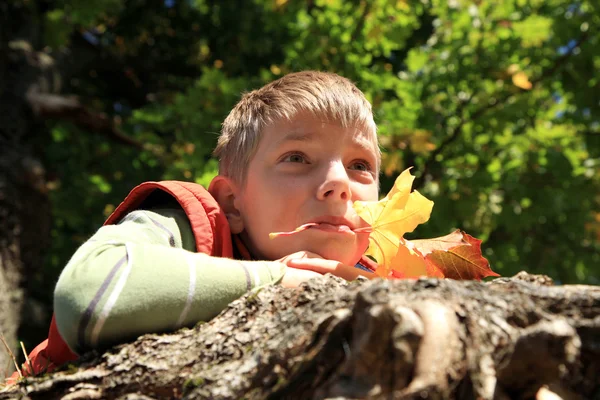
325, 226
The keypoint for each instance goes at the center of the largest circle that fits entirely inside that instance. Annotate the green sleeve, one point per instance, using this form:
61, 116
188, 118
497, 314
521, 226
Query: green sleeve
143, 276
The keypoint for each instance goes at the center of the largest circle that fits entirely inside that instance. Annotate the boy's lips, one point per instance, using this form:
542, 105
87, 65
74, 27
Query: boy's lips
324, 226
329, 224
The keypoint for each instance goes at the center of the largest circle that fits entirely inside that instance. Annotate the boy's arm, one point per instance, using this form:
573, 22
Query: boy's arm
142, 276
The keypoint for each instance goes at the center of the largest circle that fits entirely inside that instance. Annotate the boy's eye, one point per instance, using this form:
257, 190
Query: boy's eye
361, 165
295, 158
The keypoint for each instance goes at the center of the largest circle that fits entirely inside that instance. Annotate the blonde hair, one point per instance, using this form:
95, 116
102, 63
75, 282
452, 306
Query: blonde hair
321, 93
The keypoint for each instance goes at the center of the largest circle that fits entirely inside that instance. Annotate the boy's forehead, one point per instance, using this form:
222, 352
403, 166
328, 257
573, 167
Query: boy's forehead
293, 131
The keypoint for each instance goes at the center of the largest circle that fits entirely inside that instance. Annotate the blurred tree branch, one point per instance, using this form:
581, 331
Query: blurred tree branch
68, 108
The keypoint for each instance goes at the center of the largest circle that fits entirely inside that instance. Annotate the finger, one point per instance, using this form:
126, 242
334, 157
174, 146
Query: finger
301, 255
336, 268
350, 273
319, 265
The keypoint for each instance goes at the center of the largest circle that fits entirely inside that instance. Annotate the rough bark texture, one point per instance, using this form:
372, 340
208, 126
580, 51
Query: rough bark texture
31, 81
508, 339
24, 206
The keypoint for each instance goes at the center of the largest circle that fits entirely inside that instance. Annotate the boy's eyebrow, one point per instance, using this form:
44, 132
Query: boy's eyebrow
305, 136
296, 136
363, 142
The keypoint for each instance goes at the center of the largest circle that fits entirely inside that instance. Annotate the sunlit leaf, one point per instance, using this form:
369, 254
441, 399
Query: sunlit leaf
390, 218
456, 255
521, 80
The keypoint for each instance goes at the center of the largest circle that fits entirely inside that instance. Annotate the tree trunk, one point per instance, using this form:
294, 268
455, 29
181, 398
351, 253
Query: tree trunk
31, 81
507, 339
24, 205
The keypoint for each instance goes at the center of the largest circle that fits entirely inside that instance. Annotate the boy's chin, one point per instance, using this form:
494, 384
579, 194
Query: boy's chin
347, 256
344, 250
346, 253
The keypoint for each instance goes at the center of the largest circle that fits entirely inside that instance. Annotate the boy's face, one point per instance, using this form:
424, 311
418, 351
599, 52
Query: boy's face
308, 170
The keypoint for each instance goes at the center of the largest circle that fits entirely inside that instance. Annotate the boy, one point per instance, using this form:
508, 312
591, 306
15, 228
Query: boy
299, 150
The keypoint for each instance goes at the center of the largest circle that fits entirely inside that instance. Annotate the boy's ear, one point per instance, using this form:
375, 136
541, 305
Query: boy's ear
225, 191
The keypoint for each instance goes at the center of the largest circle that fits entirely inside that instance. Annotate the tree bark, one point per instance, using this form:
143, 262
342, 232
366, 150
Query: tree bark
24, 205
30, 92
514, 338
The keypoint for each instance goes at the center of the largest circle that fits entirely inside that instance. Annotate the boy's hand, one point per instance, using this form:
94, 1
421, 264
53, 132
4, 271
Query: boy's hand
305, 265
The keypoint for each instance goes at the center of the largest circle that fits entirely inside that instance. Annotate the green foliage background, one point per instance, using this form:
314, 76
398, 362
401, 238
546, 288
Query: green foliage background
514, 165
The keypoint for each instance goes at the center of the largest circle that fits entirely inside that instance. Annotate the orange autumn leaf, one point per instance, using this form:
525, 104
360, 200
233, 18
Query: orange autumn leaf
401, 211
408, 261
456, 256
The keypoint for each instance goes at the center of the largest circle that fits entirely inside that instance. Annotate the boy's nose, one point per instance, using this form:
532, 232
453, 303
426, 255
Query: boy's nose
336, 185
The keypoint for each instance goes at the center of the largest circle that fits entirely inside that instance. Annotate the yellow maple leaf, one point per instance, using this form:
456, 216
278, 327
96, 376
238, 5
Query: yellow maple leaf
399, 212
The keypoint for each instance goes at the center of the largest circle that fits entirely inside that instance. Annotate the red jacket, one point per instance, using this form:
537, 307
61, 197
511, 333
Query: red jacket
212, 235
